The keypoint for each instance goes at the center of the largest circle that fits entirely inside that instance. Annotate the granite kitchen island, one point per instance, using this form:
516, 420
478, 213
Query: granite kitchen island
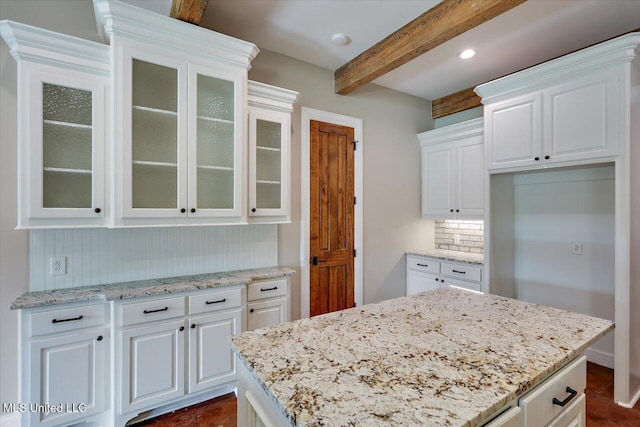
445, 357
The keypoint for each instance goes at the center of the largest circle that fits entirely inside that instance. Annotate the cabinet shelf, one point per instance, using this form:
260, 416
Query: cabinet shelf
262, 181
218, 168
69, 171
216, 120
67, 124
154, 110
260, 147
147, 163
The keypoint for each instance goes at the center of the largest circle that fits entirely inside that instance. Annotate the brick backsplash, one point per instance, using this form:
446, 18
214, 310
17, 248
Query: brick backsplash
471, 235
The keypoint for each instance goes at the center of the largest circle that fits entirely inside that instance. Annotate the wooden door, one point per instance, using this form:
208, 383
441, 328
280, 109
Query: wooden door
331, 219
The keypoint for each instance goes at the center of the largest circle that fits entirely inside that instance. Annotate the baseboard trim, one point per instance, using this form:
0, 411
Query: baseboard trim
13, 419
632, 403
600, 358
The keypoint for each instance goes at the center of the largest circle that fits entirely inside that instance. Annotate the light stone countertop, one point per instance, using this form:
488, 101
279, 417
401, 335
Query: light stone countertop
447, 255
445, 357
146, 288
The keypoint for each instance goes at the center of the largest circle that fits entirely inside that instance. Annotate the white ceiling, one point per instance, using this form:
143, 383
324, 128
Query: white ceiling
533, 32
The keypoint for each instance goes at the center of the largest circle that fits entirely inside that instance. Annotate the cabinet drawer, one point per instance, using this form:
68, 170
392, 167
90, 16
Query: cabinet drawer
510, 418
215, 301
426, 265
538, 407
67, 319
152, 310
463, 284
266, 289
462, 271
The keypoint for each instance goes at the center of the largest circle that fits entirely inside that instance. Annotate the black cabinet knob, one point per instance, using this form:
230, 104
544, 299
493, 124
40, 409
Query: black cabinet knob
442, 280
547, 157
437, 280
97, 210
99, 338
183, 210
253, 210
536, 158
251, 311
181, 328
193, 210
457, 210
451, 210
193, 326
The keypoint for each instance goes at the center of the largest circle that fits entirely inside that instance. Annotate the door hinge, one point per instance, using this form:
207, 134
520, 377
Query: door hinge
354, 200
355, 143
354, 253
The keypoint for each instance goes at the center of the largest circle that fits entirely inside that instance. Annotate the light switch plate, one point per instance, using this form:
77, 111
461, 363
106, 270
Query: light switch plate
58, 266
576, 248
456, 239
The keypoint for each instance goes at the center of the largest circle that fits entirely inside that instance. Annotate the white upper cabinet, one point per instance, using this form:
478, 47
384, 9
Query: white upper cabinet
62, 95
561, 113
269, 152
179, 112
453, 171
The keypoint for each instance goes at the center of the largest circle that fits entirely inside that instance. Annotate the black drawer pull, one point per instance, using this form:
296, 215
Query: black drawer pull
459, 272
572, 394
422, 265
155, 311
268, 289
216, 302
67, 320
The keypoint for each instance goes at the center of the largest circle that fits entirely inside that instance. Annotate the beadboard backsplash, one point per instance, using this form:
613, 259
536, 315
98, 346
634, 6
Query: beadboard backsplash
99, 256
471, 235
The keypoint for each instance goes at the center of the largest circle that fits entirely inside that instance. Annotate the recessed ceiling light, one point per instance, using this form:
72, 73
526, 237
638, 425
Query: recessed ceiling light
467, 53
340, 39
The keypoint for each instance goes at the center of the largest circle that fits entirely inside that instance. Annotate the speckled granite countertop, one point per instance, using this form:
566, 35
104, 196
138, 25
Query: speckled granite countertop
146, 288
445, 357
447, 255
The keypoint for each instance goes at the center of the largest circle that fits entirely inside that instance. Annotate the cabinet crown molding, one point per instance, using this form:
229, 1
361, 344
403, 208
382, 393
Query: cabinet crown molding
32, 44
610, 53
452, 132
114, 18
264, 95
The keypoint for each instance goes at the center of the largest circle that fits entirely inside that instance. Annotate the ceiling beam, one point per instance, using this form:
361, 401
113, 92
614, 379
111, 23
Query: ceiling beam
467, 98
190, 11
439, 24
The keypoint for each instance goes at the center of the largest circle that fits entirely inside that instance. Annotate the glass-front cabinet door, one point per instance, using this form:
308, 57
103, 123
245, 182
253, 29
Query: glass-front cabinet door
268, 162
154, 135
65, 131
215, 142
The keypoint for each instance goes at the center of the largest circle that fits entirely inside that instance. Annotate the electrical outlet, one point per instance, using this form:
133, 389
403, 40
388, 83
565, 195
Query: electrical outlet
456, 239
576, 248
58, 266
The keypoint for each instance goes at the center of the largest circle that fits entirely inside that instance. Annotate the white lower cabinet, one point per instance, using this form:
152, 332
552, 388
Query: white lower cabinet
268, 303
418, 281
426, 274
66, 364
574, 416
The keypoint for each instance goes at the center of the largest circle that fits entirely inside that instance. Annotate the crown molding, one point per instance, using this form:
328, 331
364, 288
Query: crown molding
453, 132
264, 95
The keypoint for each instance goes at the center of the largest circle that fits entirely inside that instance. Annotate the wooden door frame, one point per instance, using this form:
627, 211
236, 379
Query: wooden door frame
309, 114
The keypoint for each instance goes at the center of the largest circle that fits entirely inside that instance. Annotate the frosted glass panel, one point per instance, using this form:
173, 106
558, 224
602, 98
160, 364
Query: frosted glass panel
268, 162
154, 136
215, 144
66, 147
215, 98
215, 189
155, 186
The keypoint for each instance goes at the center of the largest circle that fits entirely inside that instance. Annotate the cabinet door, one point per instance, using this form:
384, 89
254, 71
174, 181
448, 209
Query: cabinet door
65, 159
581, 118
267, 313
470, 173
211, 360
438, 192
216, 142
574, 416
513, 132
418, 281
68, 370
153, 135
152, 365
268, 163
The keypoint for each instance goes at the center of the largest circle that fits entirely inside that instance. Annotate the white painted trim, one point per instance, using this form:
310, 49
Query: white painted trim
600, 357
633, 402
309, 114
11, 420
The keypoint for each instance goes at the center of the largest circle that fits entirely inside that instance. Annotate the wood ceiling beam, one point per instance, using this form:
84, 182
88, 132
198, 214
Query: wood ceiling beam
190, 11
467, 98
439, 24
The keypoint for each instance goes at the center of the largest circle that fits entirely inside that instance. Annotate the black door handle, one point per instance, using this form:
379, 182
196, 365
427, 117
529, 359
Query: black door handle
315, 260
572, 394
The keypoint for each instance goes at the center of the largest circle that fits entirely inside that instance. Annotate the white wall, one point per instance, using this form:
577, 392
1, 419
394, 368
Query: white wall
553, 210
392, 221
